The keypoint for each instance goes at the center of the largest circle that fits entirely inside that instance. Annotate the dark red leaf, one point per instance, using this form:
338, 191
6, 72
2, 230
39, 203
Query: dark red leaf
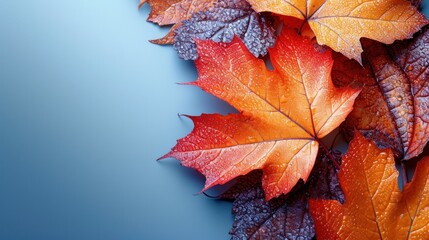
393, 106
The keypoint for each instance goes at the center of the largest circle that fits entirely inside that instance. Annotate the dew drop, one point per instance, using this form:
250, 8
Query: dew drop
251, 139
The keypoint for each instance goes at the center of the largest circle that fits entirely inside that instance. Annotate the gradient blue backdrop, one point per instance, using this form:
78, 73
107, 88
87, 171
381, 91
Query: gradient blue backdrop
86, 106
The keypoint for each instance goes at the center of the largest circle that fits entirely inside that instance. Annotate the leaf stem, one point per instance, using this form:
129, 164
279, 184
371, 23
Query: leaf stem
210, 196
404, 174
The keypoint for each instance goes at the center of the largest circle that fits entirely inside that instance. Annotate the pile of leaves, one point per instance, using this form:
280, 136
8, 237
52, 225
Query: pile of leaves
296, 70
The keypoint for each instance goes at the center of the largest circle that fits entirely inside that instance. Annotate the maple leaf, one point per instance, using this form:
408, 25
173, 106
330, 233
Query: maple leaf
282, 112
374, 206
220, 23
173, 12
323, 183
340, 24
285, 217
392, 108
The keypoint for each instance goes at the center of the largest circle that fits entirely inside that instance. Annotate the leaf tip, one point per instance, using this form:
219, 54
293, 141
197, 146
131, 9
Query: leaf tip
186, 83
142, 2
163, 157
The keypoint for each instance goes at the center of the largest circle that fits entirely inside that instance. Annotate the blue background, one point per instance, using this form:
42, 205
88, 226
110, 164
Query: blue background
86, 107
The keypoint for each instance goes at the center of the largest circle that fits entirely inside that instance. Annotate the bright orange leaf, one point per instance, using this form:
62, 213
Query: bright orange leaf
374, 206
168, 12
282, 112
341, 23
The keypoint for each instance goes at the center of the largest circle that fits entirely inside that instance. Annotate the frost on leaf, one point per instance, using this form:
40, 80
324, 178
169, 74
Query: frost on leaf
393, 106
285, 217
323, 183
220, 23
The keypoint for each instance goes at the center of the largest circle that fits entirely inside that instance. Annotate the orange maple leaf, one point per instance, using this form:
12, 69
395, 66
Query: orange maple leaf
282, 112
374, 206
341, 23
169, 12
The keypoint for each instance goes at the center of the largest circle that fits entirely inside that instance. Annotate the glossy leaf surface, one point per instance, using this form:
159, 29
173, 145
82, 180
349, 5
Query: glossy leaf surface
282, 112
394, 104
340, 24
221, 23
374, 206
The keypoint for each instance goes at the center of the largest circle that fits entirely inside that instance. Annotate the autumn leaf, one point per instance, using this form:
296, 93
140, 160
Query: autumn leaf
168, 38
285, 217
282, 112
323, 183
393, 107
166, 12
374, 206
220, 23
172, 12
218, 20
340, 24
